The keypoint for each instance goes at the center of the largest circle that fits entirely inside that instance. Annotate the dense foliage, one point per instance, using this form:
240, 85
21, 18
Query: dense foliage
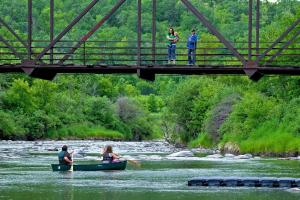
231, 112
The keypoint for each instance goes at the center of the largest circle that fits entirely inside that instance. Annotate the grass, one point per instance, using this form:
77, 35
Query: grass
270, 137
85, 131
203, 140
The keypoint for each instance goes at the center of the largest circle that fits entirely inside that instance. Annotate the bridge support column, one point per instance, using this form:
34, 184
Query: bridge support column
29, 67
146, 74
252, 71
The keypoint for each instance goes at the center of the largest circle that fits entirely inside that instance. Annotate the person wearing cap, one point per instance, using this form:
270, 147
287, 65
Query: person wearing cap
192, 46
64, 157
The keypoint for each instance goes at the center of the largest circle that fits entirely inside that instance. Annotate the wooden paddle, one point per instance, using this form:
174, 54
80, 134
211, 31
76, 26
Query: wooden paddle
135, 163
71, 168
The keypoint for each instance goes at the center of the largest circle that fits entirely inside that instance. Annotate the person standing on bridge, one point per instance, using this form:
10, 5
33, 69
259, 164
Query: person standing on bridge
192, 46
171, 43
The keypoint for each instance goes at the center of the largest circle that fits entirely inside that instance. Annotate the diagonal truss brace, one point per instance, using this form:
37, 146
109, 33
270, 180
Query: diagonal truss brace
284, 46
12, 32
213, 30
280, 38
67, 29
11, 48
92, 31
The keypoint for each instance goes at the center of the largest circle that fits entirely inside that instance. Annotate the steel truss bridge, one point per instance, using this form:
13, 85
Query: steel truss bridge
44, 59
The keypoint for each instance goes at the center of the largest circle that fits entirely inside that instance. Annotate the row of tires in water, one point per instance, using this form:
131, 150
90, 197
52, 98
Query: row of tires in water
245, 182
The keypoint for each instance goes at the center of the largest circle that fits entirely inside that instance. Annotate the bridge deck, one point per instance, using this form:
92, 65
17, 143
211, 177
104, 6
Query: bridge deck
156, 69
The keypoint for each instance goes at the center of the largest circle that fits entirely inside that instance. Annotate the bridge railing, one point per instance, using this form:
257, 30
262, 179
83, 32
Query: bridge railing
210, 53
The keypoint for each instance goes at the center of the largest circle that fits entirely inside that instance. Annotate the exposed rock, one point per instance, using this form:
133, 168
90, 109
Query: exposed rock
229, 155
231, 148
215, 156
246, 156
204, 151
178, 145
53, 149
182, 154
219, 115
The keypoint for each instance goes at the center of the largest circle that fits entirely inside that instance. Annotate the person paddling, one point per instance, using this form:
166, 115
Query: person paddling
64, 157
109, 156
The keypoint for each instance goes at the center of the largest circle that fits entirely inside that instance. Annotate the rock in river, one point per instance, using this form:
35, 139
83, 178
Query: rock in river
182, 154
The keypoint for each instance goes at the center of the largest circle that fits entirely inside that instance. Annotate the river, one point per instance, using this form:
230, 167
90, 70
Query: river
25, 173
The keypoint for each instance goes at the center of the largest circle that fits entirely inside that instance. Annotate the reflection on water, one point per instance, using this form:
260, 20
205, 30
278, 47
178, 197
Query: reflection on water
25, 173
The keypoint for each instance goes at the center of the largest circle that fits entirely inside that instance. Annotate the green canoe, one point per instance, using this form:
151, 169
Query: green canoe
92, 167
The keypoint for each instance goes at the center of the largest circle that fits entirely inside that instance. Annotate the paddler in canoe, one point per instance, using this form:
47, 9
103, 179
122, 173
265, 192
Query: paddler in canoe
64, 157
109, 156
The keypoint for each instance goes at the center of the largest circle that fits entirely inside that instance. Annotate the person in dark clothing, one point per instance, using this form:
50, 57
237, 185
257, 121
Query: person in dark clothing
109, 156
192, 46
64, 157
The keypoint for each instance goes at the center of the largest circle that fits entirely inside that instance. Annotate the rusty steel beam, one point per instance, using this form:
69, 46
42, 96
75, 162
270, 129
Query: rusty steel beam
29, 29
250, 9
132, 69
92, 31
139, 31
257, 35
13, 32
284, 46
154, 6
279, 39
213, 30
67, 29
51, 28
13, 50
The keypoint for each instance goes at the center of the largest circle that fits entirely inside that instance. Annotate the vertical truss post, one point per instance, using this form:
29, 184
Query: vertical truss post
257, 28
250, 9
29, 40
153, 31
67, 29
84, 54
139, 31
51, 28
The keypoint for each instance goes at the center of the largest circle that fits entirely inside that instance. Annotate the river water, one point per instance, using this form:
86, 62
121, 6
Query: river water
25, 173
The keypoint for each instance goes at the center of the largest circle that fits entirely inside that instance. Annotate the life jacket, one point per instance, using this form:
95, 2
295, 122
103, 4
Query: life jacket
107, 157
61, 157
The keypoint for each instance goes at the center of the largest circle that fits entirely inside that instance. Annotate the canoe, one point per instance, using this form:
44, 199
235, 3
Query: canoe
91, 167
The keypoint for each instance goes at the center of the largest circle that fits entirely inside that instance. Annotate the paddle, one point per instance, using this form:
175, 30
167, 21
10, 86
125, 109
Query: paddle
71, 168
135, 163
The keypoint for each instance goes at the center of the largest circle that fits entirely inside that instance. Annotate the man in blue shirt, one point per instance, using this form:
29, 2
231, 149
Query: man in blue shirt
192, 46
